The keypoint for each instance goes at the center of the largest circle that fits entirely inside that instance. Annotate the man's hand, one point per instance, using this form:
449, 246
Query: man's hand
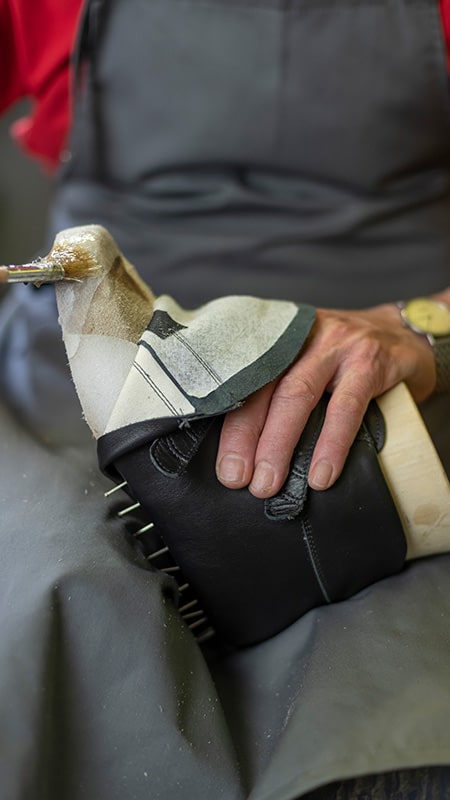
354, 355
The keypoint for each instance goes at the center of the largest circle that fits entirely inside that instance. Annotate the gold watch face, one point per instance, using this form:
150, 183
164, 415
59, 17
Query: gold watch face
427, 316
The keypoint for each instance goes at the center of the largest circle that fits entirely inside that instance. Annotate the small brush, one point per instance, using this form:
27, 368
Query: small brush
66, 263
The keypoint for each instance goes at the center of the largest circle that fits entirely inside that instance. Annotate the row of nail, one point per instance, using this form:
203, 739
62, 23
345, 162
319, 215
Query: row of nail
194, 617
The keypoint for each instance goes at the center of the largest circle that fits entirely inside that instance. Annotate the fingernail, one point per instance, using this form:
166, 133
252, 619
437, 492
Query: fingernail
321, 475
263, 477
231, 469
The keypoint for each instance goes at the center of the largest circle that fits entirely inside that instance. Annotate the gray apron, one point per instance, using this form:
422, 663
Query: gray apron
291, 149
296, 150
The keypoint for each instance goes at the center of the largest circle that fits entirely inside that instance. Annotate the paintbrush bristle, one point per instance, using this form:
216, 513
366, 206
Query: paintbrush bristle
75, 261
77, 254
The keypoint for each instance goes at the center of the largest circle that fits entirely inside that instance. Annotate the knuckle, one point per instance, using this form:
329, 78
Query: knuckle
338, 446
370, 351
234, 430
298, 387
353, 406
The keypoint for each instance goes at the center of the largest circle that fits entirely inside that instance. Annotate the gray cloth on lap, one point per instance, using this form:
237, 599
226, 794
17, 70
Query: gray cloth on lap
105, 693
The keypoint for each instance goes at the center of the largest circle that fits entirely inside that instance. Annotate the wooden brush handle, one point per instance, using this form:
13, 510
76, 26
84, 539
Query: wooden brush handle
415, 475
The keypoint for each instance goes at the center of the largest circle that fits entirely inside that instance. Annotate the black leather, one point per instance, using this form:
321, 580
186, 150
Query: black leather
258, 565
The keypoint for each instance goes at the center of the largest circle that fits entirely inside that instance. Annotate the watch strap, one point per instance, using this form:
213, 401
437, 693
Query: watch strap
442, 355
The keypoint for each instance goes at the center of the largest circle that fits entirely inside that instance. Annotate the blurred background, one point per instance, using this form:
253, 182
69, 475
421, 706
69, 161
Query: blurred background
24, 198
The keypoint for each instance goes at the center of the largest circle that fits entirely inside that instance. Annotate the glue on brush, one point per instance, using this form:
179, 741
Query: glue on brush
63, 263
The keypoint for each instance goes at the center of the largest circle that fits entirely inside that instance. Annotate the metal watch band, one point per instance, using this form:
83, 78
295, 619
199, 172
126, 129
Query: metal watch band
442, 354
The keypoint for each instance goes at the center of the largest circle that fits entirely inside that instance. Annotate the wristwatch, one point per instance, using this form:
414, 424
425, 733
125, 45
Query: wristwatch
431, 319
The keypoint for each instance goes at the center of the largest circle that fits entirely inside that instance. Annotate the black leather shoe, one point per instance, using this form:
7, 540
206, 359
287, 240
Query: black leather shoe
258, 565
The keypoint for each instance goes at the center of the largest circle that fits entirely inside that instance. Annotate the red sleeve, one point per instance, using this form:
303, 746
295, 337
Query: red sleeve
35, 46
10, 67
445, 14
36, 38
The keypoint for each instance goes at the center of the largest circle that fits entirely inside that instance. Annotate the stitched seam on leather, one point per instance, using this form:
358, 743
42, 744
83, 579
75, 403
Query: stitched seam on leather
313, 555
379, 431
180, 456
374, 426
175, 451
287, 497
158, 462
161, 448
196, 435
183, 454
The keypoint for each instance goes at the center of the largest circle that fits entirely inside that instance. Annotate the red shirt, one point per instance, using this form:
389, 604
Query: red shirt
36, 40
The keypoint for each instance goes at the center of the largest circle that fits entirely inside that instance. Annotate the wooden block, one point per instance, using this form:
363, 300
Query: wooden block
415, 475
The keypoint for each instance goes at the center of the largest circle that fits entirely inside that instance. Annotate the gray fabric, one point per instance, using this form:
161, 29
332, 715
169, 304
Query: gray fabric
86, 708
225, 143
34, 377
104, 692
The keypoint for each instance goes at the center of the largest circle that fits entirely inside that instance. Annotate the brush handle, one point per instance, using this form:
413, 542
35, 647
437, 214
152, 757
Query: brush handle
36, 272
